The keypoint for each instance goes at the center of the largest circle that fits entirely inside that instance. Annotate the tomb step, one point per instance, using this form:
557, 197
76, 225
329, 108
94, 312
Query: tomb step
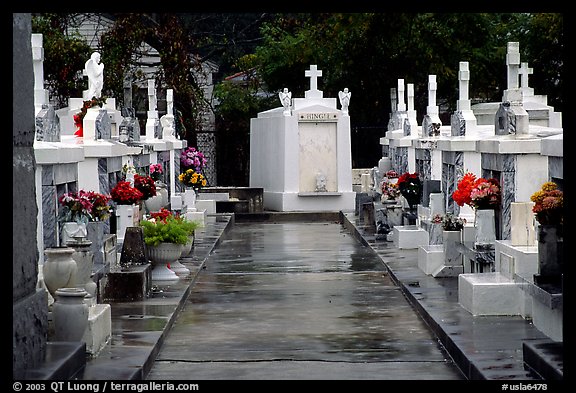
544, 357
63, 361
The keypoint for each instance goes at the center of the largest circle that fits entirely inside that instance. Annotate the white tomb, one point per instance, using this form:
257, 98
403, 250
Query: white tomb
301, 155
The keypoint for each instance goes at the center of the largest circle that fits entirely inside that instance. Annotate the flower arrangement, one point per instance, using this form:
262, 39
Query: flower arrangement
478, 193
193, 159
389, 190
146, 185
79, 117
391, 174
449, 222
165, 227
548, 204
410, 187
84, 206
156, 171
101, 208
124, 194
192, 179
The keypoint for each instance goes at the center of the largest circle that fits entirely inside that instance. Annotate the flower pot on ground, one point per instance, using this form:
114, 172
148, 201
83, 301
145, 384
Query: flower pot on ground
164, 235
485, 224
127, 212
548, 208
452, 227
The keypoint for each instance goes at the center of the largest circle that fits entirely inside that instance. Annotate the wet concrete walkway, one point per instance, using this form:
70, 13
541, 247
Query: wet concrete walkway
298, 300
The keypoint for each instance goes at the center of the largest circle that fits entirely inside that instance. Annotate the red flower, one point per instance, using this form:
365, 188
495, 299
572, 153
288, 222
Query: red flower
161, 215
146, 185
124, 194
462, 194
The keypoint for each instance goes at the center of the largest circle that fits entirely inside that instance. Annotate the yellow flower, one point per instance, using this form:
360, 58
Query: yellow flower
549, 186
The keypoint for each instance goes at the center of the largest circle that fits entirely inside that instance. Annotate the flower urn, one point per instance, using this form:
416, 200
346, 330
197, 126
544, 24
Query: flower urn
70, 314
485, 224
59, 269
450, 241
73, 232
161, 256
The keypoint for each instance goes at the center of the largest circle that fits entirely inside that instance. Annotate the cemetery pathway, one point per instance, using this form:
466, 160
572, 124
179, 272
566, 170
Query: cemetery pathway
298, 300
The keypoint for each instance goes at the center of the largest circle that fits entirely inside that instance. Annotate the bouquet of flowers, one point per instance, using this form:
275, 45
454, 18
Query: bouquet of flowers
192, 179
145, 184
548, 204
84, 206
389, 190
77, 207
410, 187
193, 159
124, 194
449, 222
478, 193
156, 171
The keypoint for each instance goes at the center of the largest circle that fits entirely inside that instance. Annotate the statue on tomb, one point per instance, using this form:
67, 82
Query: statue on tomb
285, 99
344, 99
95, 71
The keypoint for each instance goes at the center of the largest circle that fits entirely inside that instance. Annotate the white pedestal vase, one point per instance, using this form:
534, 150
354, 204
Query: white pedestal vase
59, 269
154, 203
190, 198
126, 216
485, 224
84, 262
162, 255
70, 314
162, 190
72, 231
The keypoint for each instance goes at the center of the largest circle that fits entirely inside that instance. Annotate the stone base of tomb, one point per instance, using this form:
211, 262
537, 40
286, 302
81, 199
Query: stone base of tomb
430, 258
99, 330
129, 284
409, 236
489, 294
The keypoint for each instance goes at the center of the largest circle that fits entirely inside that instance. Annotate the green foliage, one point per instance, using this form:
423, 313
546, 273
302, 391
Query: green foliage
171, 230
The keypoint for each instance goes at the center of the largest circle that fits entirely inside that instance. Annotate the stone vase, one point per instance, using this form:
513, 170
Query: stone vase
70, 314
450, 241
126, 216
162, 189
190, 198
84, 262
59, 269
550, 253
154, 203
95, 233
161, 256
72, 232
485, 224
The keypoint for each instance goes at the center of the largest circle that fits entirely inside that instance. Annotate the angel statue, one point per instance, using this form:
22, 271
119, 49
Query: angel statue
344, 100
95, 72
286, 100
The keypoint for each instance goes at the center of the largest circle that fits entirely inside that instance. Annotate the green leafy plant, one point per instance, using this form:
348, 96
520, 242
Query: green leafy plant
163, 231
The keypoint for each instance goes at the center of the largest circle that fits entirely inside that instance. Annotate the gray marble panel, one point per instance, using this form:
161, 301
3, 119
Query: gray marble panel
508, 196
402, 156
47, 125
407, 127
556, 167
47, 175
103, 182
498, 162
102, 165
65, 173
103, 125
457, 124
448, 157
505, 120
49, 213
385, 150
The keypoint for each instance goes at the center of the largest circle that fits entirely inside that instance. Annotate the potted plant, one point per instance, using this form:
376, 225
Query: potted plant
164, 236
127, 210
548, 209
484, 196
75, 213
389, 187
156, 173
193, 181
410, 187
191, 158
451, 236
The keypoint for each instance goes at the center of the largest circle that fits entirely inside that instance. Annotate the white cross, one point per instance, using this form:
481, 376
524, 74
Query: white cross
524, 71
313, 73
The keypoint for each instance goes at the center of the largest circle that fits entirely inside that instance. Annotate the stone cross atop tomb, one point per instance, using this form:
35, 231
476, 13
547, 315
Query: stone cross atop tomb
393, 99
513, 92
401, 103
40, 94
524, 72
47, 122
129, 129
313, 73
463, 84
463, 121
153, 128
431, 122
411, 111
167, 121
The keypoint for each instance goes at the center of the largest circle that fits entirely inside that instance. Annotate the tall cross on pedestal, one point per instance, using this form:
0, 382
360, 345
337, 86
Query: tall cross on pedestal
524, 71
313, 73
